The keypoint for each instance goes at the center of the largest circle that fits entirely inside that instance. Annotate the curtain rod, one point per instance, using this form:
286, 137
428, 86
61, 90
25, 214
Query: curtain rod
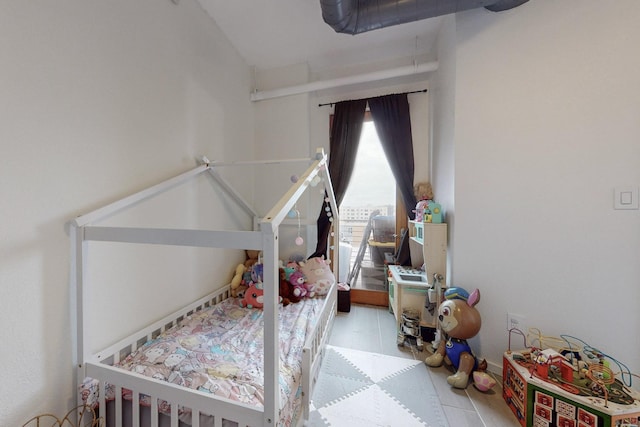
401, 93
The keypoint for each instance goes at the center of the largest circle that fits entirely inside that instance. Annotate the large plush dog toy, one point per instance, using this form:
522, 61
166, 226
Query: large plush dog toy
459, 320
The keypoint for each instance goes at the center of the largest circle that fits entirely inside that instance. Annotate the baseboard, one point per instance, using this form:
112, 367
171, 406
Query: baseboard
494, 368
368, 297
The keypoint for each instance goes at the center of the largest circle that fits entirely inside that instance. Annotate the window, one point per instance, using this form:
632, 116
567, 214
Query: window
372, 184
372, 188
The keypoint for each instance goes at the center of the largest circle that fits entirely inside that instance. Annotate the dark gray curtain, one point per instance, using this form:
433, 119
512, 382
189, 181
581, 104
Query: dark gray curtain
348, 117
393, 124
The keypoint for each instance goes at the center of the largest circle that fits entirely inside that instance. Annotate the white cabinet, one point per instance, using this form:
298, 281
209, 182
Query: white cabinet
432, 238
408, 287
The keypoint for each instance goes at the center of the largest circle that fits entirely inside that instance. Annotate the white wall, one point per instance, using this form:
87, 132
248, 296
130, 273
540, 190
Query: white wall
99, 100
442, 108
282, 132
546, 126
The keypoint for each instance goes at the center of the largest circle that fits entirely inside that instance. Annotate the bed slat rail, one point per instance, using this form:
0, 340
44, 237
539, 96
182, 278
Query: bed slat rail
312, 352
163, 394
126, 346
135, 409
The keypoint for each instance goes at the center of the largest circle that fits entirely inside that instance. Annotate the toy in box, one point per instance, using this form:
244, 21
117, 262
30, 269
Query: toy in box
384, 228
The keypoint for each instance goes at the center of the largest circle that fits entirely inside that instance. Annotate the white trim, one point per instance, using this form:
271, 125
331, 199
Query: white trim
258, 162
176, 237
345, 81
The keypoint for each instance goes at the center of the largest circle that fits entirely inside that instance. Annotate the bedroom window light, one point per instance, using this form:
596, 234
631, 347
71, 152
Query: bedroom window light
372, 187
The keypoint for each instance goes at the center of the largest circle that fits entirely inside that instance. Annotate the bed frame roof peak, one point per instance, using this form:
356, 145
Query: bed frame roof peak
206, 165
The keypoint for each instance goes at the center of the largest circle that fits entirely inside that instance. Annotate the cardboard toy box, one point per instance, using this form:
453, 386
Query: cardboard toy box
384, 228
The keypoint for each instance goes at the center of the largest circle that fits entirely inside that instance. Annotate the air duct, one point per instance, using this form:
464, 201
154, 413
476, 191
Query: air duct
359, 16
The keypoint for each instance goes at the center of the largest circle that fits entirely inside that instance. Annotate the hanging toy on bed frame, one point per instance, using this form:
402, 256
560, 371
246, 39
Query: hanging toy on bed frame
295, 213
326, 201
459, 320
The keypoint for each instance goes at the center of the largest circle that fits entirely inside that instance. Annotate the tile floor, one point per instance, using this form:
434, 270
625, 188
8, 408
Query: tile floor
373, 329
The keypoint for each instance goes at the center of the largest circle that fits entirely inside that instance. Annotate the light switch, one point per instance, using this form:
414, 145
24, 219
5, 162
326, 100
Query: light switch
625, 198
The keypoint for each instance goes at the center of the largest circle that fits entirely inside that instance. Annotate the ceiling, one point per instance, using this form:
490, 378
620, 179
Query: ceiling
277, 33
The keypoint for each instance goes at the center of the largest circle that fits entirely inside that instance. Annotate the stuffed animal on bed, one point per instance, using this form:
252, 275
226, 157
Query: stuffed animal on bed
239, 291
287, 295
246, 277
252, 257
236, 281
253, 297
459, 320
319, 276
298, 282
288, 269
257, 273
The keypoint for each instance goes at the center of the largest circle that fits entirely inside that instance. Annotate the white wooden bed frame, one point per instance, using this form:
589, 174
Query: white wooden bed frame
98, 365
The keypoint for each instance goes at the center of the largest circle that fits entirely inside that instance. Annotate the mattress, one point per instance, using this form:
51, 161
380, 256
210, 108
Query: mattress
220, 350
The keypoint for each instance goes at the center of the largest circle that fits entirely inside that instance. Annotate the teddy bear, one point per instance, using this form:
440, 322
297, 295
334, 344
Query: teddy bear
252, 258
319, 277
239, 291
459, 320
298, 282
286, 291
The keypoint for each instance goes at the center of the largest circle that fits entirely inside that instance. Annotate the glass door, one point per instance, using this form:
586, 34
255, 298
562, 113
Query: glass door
368, 221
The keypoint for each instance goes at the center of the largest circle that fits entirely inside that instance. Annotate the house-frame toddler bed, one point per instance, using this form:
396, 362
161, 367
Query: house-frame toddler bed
100, 366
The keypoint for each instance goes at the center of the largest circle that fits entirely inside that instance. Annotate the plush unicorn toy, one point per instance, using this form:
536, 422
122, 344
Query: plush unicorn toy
253, 297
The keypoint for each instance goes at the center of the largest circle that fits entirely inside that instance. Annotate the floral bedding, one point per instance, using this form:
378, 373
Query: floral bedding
219, 350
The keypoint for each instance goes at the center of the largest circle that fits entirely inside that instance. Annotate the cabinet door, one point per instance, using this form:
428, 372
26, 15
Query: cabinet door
393, 296
434, 250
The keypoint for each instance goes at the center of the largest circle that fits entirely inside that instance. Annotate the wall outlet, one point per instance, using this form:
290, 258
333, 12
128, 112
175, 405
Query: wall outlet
517, 321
